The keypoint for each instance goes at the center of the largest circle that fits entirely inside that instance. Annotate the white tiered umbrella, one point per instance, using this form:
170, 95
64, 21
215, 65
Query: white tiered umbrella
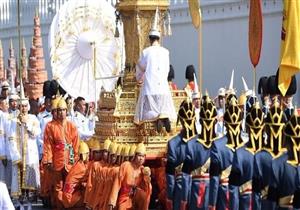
81, 31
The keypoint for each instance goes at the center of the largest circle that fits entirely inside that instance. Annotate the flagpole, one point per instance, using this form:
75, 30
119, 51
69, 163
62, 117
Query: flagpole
200, 58
254, 80
19, 37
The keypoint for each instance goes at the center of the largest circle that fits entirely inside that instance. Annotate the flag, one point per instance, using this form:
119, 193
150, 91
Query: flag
290, 44
195, 12
255, 31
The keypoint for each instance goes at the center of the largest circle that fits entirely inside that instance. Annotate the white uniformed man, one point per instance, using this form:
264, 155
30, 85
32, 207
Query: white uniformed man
44, 117
220, 128
5, 201
3, 140
5, 89
155, 101
22, 137
83, 124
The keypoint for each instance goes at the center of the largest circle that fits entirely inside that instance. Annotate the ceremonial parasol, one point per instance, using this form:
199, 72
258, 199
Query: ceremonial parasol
85, 55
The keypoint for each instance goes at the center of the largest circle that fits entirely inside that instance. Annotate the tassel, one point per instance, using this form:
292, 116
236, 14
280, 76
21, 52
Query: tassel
138, 24
165, 32
169, 24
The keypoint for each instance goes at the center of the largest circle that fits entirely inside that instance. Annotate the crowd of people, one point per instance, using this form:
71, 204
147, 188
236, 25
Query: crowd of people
53, 155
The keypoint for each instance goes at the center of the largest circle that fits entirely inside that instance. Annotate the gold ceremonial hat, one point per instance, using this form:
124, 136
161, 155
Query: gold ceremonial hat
125, 150
83, 148
106, 144
141, 149
132, 150
96, 145
113, 148
62, 104
54, 103
119, 150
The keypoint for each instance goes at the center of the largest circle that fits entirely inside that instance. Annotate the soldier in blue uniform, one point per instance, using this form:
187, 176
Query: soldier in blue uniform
242, 165
177, 153
196, 165
222, 152
274, 125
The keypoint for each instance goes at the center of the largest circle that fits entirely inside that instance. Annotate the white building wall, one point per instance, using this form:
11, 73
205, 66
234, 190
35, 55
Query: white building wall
225, 37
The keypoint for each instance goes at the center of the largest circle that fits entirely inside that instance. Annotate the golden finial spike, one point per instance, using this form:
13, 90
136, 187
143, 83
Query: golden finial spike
23, 43
11, 44
36, 12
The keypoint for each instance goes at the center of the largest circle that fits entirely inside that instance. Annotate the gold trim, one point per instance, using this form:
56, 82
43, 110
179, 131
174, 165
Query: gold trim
286, 201
264, 192
225, 173
202, 169
247, 186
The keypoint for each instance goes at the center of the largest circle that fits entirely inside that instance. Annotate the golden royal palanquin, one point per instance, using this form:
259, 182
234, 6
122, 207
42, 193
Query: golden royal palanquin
117, 108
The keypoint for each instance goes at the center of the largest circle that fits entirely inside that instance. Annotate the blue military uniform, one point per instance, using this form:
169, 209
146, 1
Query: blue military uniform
242, 166
241, 176
220, 167
262, 169
176, 154
222, 153
175, 158
195, 171
285, 169
196, 165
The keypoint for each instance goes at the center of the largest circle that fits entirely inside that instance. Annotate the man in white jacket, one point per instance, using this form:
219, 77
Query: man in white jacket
5, 201
155, 101
22, 135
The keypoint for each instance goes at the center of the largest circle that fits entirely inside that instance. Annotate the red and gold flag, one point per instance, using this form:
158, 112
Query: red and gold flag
255, 31
290, 44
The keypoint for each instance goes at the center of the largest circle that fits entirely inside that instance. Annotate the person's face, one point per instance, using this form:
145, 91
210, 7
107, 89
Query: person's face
105, 155
97, 155
13, 104
81, 106
61, 114
3, 106
48, 104
196, 103
24, 108
113, 158
139, 159
5, 93
54, 114
221, 101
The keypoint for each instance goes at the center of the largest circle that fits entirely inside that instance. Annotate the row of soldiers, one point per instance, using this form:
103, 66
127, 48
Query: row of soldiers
255, 167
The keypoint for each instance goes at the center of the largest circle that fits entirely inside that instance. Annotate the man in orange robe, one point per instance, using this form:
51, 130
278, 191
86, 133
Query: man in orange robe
61, 144
46, 184
101, 178
100, 157
73, 192
112, 172
132, 186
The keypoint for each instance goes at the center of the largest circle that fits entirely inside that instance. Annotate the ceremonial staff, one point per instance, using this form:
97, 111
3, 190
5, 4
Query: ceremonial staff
195, 12
255, 35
